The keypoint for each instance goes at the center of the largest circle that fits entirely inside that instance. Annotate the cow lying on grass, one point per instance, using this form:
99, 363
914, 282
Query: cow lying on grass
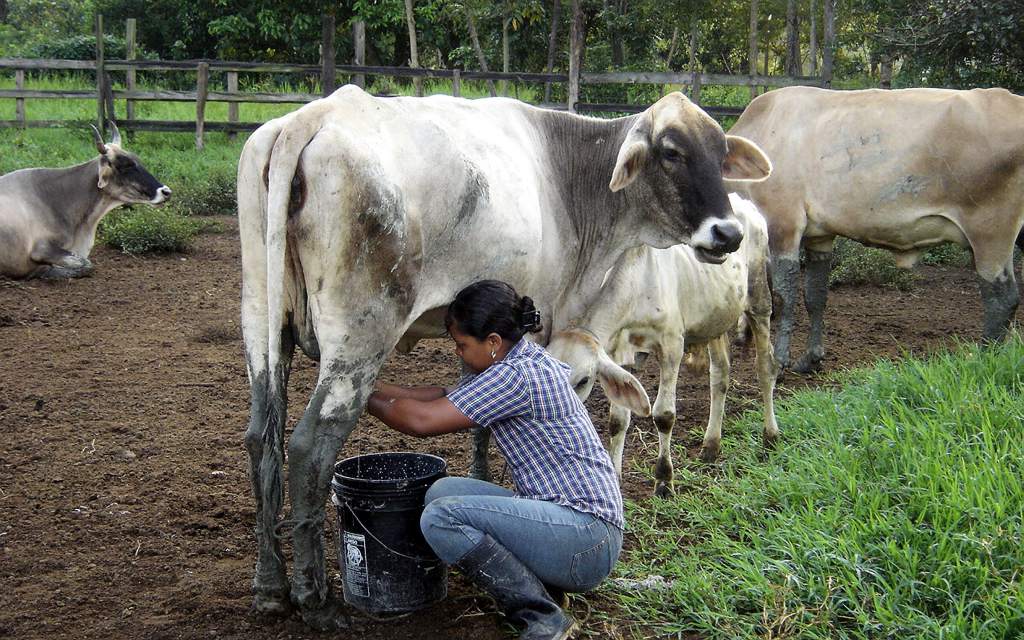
48, 217
667, 302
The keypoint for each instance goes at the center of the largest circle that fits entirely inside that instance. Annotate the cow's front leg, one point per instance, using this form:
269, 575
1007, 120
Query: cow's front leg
664, 412
718, 354
58, 263
1000, 299
264, 441
618, 425
785, 275
339, 398
819, 263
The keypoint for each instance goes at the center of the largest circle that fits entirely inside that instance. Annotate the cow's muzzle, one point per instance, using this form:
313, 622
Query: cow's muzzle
715, 238
163, 194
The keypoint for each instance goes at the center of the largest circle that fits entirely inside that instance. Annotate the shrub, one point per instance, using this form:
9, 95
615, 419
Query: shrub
215, 196
948, 255
148, 230
853, 263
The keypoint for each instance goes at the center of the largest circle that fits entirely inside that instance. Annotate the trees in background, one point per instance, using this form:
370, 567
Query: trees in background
938, 42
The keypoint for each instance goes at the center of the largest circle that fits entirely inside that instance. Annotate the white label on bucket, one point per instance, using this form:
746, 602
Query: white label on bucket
356, 578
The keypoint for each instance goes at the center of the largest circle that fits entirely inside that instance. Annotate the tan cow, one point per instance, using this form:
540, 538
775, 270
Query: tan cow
902, 170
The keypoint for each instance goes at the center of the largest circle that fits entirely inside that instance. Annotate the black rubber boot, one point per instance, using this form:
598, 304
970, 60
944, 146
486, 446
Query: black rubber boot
518, 592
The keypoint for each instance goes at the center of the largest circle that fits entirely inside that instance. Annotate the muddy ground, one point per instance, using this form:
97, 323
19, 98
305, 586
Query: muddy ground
125, 509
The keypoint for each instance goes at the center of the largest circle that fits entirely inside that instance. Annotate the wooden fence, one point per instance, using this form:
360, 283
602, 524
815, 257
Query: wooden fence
105, 93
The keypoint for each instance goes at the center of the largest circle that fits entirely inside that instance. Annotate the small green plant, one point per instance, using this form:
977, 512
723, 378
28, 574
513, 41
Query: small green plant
213, 196
853, 263
148, 230
948, 255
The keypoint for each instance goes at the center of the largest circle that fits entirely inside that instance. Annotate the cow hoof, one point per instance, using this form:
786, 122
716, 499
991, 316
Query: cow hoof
769, 440
663, 490
709, 452
331, 616
275, 605
480, 474
808, 365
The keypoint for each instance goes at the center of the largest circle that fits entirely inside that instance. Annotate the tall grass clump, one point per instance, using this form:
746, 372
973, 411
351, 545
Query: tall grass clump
853, 263
148, 230
893, 508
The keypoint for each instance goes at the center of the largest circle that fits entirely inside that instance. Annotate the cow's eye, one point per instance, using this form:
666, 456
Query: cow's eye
671, 155
582, 384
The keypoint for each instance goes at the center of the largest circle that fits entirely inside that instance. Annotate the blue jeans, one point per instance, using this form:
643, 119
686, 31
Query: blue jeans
566, 548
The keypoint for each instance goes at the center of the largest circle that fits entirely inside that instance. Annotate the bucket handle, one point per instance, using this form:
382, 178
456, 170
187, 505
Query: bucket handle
378, 540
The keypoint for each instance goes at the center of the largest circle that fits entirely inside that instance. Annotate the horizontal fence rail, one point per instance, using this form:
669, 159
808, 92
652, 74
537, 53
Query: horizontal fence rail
105, 94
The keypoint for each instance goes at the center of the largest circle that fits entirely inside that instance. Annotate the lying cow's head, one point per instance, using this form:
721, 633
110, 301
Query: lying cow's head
590, 363
122, 177
677, 161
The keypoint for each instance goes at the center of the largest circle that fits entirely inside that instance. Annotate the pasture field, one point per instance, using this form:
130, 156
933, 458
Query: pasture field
125, 510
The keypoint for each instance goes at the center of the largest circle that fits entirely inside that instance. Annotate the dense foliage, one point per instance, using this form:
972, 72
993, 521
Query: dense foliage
957, 43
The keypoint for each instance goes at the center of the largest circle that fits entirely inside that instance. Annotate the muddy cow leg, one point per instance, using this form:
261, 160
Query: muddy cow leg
767, 373
1000, 299
664, 412
345, 382
618, 425
785, 274
264, 441
718, 354
815, 296
479, 467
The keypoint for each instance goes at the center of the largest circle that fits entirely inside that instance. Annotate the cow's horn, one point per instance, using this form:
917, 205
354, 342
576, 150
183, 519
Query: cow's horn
102, 148
116, 135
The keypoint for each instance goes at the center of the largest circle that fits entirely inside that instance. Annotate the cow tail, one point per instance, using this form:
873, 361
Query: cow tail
283, 165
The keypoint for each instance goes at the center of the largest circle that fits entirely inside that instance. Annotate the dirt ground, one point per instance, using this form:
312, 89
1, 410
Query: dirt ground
125, 509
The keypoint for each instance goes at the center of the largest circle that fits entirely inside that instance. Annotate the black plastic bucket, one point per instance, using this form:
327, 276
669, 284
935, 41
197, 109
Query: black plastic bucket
386, 565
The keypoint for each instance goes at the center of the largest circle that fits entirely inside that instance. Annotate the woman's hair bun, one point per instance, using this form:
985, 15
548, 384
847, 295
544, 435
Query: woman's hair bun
529, 317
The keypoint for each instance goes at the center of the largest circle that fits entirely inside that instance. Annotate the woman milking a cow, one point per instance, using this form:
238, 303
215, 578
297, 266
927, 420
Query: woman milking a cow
561, 529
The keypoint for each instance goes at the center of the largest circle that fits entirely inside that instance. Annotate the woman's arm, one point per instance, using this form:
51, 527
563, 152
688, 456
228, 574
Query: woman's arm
416, 393
418, 418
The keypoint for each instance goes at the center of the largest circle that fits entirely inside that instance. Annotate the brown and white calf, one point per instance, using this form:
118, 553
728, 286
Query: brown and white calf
48, 217
667, 302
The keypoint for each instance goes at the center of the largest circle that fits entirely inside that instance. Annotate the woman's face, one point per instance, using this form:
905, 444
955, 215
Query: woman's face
476, 354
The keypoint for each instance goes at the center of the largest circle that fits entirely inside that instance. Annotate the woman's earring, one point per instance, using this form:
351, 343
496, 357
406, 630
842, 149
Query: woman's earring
493, 354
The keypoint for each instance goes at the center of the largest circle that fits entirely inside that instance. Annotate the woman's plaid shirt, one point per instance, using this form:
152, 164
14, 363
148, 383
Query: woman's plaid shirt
543, 430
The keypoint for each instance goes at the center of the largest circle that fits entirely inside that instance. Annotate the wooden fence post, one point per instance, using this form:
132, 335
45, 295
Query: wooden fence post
19, 104
575, 56
327, 57
753, 47
232, 106
456, 83
100, 75
129, 42
202, 82
359, 43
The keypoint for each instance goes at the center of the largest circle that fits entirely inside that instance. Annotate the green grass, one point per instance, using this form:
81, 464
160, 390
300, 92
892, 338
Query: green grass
892, 509
853, 263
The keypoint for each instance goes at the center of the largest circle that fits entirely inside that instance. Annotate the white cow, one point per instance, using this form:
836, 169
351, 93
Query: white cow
667, 302
361, 218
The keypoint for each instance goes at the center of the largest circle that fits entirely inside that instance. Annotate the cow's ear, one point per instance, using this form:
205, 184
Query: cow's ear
632, 154
745, 161
622, 387
106, 171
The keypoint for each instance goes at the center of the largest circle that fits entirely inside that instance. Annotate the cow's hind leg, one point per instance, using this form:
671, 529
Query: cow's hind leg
264, 441
815, 296
58, 263
718, 352
1000, 299
345, 382
767, 373
479, 467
